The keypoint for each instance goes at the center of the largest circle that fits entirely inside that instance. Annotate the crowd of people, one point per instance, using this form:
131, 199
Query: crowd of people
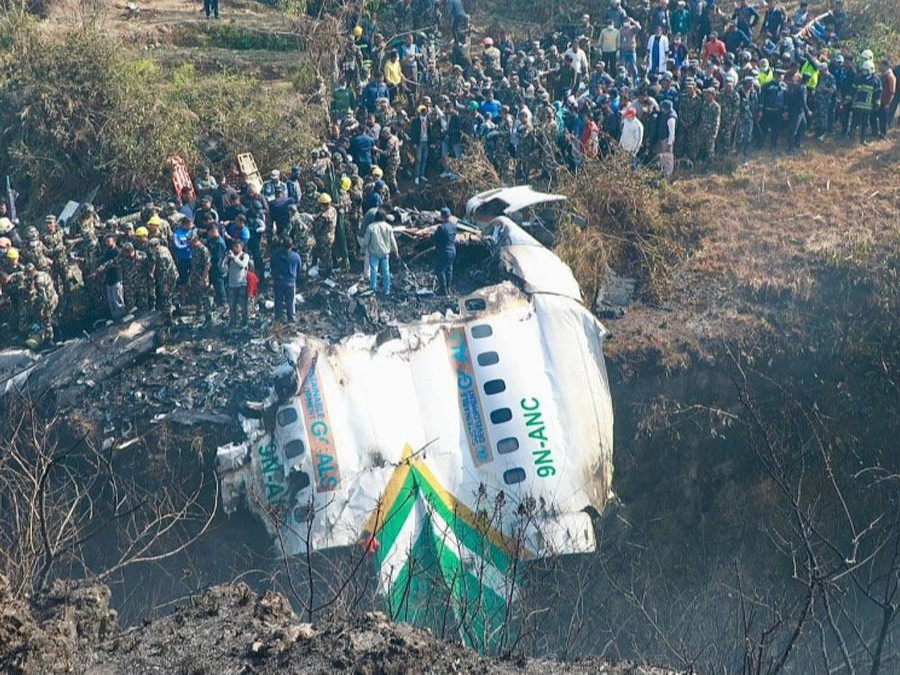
660, 83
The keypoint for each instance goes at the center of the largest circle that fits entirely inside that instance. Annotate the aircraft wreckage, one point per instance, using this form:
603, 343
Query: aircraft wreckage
453, 450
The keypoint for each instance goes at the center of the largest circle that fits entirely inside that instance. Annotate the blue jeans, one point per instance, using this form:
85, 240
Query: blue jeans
421, 159
629, 61
284, 302
380, 264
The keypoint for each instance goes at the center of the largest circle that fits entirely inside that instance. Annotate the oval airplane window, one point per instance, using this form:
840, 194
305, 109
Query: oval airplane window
476, 304
488, 359
513, 476
507, 445
286, 417
501, 415
494, 387
482, 331
294, 448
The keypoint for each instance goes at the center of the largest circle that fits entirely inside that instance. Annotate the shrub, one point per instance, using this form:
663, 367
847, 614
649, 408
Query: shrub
81, 111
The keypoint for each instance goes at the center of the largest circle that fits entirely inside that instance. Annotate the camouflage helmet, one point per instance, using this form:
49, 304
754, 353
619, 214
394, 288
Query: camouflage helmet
31, 233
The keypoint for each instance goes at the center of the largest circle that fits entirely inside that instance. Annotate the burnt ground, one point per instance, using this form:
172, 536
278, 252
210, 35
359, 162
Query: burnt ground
232, 629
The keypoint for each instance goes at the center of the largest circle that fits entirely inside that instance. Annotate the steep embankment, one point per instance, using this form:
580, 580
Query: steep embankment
231, 629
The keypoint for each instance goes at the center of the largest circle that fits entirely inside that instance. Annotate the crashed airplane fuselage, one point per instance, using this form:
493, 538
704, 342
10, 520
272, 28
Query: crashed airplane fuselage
472, 441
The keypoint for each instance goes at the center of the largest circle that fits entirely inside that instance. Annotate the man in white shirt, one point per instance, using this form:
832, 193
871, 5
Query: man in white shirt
657, 52
632, 135
579, 58
379, 242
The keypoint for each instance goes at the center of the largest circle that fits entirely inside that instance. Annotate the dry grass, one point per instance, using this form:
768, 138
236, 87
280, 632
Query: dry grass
635, 225
773, 231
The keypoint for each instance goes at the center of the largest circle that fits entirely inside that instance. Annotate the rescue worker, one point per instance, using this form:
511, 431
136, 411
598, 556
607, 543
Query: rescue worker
165, 278
137, 279
324, 231
198, 278
710, 121
730, 102
866, 98
444, 239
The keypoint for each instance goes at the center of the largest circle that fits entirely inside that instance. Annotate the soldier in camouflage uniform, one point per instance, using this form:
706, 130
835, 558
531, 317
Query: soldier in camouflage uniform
490, 59
501, 144
165, 277
708, 130
300, 234
137, 279
34, 252
388, 150
309, 200
825, 98
747, 113
546, 142
687, 136
86, 254
729, 102
39, 303
324, 230
344, 207
87, 223
526, 148
384, 113
198, 279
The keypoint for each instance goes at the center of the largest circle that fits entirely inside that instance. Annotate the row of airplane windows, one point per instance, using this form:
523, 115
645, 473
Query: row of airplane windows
500, 415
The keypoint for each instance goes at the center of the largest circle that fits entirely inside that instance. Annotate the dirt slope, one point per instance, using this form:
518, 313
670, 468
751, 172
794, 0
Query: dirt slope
771, 228
230, 629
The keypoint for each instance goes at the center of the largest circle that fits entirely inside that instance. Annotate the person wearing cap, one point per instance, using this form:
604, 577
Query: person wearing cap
198, 284
491, 59
205, 184
729, 102
748, 109
137, 278
38, 304
183, 250
270, 187
666, 122
141, 238
206, 210
632, 136
772, 101
687, 140
444, 239
325, 231
797, 106
165, 277
419, 137
279, 211
710, 122
825, 101
616, 13
866, 99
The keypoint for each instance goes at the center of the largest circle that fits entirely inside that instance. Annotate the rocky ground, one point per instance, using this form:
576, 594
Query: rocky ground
230, 629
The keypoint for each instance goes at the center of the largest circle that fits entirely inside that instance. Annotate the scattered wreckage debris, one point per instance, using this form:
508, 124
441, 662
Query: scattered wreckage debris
402, 443
74, 367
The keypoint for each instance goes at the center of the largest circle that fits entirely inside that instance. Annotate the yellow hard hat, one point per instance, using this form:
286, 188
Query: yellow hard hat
377, 172
324, 198
155, 220
141, 232
13, 254
346, 183
357, 31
